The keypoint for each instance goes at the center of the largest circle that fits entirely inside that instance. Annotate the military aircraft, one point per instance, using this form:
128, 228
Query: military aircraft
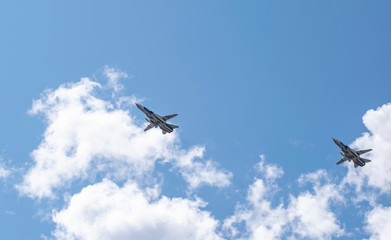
156, 120
352, 155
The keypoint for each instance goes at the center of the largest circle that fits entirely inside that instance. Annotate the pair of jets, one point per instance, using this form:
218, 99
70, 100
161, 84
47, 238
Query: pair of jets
156, 120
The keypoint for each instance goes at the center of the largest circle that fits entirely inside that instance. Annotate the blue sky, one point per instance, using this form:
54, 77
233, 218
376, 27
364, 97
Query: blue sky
270, 78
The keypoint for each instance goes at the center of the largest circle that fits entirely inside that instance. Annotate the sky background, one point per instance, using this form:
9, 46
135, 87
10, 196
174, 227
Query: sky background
275, 79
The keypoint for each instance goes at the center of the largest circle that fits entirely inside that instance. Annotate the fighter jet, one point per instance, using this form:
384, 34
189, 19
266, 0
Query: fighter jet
352, 155
157, 121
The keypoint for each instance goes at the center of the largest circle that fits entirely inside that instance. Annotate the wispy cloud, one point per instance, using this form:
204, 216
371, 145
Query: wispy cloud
4, 172
113, 76
295, 143
198, 173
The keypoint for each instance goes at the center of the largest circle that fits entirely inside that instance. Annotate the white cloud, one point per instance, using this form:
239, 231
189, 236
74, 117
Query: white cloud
113, 76
270, 171
379, 223
127, 102
198, 173
106, 211
314, 177
377, 173
311, 216
373, 180
306, 216
4, 173
86, 135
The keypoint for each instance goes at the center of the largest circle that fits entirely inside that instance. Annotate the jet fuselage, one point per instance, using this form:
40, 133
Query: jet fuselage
156, 120
350, 154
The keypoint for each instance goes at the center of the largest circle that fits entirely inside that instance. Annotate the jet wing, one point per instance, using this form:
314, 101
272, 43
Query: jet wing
149, 127
165, 118
342, 160
363, 151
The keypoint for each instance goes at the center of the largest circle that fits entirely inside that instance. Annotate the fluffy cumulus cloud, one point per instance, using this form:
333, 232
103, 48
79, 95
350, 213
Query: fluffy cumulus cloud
307, 215
379, 222
378, 172
86, 135
373, 181
311, 213
107, 211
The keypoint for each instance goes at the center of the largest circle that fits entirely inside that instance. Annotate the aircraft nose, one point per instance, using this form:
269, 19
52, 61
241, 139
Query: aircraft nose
139, 106
336, 141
